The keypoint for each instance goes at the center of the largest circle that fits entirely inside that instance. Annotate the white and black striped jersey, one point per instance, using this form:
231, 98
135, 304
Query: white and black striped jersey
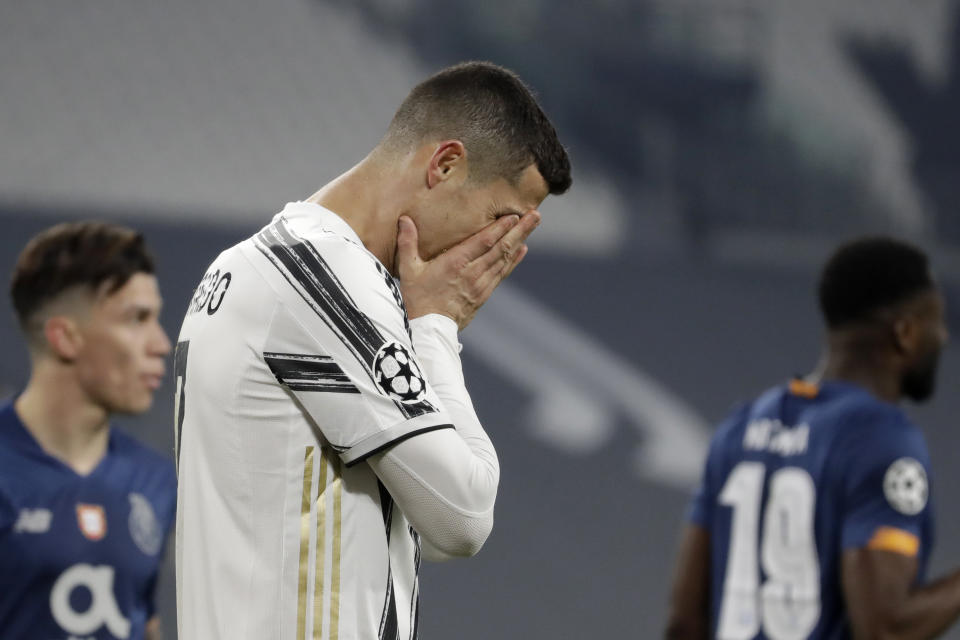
293, 365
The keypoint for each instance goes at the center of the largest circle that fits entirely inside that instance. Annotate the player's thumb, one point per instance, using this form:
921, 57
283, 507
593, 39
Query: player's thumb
408, 253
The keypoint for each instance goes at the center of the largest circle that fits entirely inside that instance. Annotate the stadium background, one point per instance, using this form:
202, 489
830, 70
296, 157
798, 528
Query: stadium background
720, 148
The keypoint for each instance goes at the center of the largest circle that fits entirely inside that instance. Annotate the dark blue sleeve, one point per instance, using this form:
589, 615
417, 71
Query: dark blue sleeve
887, 480
701, 506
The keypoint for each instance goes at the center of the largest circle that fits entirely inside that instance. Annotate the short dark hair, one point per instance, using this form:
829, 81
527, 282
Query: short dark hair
494, 114
870, 274
90, 254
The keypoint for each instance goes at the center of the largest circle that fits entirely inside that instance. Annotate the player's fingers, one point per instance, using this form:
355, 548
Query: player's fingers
408, 252
486, 239
504, 252
491, 279
521, 253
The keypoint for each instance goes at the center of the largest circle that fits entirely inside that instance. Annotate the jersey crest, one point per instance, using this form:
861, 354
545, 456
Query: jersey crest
145, 529
92, 521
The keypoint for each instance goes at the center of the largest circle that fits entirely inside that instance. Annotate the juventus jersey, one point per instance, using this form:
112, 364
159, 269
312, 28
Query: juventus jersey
792, 480
294, 364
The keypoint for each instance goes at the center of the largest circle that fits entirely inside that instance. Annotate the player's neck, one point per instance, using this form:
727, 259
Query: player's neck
870, 370
366, 197
63, 420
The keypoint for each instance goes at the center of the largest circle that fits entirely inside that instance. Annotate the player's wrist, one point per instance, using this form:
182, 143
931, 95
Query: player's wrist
436, 320
459, 317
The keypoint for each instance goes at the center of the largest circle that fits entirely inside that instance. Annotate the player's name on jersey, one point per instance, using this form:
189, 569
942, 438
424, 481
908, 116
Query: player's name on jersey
776, 437
210, 292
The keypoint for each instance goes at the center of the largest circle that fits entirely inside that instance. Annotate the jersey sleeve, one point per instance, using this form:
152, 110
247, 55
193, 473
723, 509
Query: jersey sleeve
886, 486
700, 511
341, 344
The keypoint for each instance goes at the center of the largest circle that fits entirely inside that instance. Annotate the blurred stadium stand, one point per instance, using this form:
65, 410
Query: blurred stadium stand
720, 147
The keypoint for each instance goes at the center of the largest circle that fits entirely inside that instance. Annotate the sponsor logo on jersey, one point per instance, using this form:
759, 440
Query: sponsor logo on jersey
398, 374
102, 610
905, 486
144, 526
92, 520
33, 521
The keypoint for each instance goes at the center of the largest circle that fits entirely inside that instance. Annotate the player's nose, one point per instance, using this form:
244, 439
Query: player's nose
160, 344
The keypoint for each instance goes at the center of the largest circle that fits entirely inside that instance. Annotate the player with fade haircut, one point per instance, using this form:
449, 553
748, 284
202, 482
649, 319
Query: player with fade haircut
85, 509
814, 517
326, 440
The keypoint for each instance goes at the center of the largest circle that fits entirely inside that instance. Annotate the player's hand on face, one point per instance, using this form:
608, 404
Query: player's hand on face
457, 282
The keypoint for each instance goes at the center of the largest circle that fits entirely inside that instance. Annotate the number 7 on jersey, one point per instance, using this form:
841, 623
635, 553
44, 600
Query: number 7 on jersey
180, 376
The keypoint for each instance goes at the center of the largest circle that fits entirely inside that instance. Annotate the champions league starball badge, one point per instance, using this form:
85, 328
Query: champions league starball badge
905, 486
397, 374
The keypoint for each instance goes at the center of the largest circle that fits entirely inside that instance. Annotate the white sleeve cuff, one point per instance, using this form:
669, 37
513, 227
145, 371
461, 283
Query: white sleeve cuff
444, 327
391, 436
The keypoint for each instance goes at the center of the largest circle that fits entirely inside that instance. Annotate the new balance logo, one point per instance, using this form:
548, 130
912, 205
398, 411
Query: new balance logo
33, 521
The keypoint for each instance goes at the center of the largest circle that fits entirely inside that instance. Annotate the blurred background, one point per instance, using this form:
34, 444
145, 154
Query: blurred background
721, 148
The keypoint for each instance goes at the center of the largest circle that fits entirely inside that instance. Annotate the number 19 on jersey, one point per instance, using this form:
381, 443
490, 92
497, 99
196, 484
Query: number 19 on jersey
787, 605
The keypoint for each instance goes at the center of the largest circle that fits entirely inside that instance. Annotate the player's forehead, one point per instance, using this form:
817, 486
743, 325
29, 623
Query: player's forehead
518, 196
531, 188
928, 303
140, 291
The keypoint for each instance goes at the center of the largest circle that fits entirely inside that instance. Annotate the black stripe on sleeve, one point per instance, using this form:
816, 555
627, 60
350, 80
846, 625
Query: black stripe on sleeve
405, 436
303, 372
316, 277
311, 276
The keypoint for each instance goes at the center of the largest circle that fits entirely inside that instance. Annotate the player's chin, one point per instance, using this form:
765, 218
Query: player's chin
920, 389
135, 404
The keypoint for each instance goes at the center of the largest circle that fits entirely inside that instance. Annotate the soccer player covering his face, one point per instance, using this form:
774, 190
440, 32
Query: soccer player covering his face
84, 508
326, 441
814, 518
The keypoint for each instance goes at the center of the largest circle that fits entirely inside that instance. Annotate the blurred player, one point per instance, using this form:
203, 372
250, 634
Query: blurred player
321, 434
814, 517
84, 508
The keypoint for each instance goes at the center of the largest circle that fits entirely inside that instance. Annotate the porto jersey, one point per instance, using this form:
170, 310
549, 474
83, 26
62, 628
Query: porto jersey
793, 480
79, 555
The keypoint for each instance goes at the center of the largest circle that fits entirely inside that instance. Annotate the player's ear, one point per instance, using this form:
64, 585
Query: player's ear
63, 336
906, 333
449, 161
